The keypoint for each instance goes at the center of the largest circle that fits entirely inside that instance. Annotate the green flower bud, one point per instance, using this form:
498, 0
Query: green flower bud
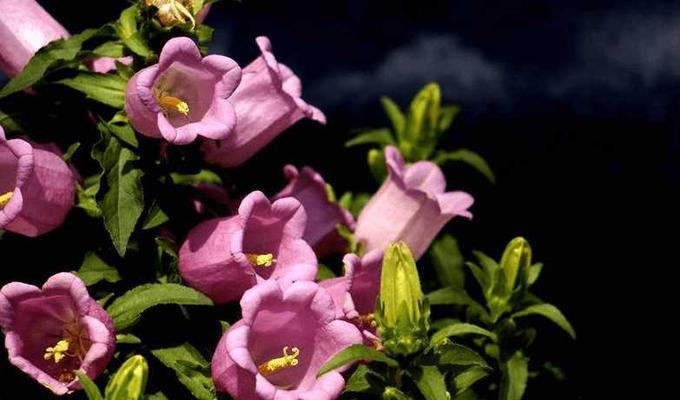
516, 261
403, 311
129, 382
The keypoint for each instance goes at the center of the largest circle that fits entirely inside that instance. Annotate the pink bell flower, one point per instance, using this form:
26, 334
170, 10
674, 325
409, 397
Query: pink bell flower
412, 205
267, 102
277, 349
184, 95
37, 188
224, 257
54, 331
323, 214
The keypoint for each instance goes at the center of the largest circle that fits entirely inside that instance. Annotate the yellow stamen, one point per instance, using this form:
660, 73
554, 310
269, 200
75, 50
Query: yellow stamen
366, 320
5, 198
58, 352
170, 103
261, 260
277, 364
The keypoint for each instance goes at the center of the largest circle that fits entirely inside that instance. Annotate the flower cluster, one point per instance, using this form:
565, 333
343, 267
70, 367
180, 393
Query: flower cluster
264, 255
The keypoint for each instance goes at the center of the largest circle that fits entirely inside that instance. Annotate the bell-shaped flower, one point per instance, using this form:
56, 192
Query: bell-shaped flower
412, 205
267, 102
184, 95
224, 257
25, 27
324, 214
277, 349
52, 332
36, 188
355, 293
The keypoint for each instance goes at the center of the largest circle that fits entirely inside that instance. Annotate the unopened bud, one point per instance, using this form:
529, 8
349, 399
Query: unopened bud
129, 382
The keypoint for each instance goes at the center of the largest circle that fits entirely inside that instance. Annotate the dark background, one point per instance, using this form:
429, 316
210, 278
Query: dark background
575, 104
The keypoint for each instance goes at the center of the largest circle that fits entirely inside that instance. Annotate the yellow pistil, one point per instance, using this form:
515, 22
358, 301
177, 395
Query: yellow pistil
5, 198
261, 260
174, 104
277, 364
58, 352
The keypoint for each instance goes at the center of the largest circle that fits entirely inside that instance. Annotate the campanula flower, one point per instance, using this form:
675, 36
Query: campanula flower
277, 349
224, 257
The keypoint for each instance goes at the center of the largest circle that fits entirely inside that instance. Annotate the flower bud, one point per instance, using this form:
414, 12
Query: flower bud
515, 261
129, 382
403, 311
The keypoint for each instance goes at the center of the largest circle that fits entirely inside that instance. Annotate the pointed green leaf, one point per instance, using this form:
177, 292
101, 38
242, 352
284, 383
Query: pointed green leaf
480, 276
430, 382
89, 387
127, 338
448, 262
191, 368
551, 312
468, 157
203, 176
154, 218
94, 270
459, 330
448, 353
534, 273
108, 89
354, 353
123, 201
382, 137
467, 378
127, 309
365, 380
395, 115
446, 117
515, 374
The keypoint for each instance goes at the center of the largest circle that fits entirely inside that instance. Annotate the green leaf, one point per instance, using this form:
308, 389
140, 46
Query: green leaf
89, 387
52, 56
534, 273
87, 198
448, 262
479, 275
468, 157
381, 136
365, 380
489, 265
467, 378
376, 163
446, 117
108, 89
127, 338
120, 128
8, 123
191, 368
204, 176
449, 295
70, 151
122, 204
430, 382
127, 309
514, 380
94, 270
459, 355
395, 115
324, 273
548, 311
353, 353
154, 218
459, 330
127, 30
112, 49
